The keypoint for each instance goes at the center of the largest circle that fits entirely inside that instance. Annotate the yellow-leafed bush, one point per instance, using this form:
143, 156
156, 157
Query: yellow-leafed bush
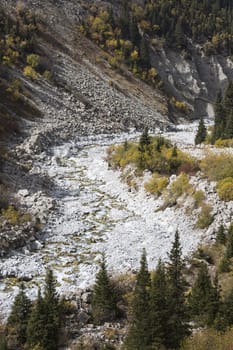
217, 166
14, 216
30, 72
224, 143
199, 197
205, 218
225, 189
156, 184
180, 186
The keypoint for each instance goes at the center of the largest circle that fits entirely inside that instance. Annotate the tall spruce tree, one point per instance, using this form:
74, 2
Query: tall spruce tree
158, 308
104, 300
201, 132
139, 337
37, 323
204, 298
18, 319
51, 313
178, 326
219, 118
144, 54
221, 236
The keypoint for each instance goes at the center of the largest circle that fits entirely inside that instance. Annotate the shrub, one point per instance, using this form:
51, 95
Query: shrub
224, 143
156, 184
14, 216
205, 217
33, 60
217, 166
30, 72
225, 189
199, 197
180, 186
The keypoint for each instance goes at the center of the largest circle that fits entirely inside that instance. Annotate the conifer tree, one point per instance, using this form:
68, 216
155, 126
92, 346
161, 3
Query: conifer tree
219, 118
221, 236
229, 126
178, 327
158, 307
144, 54
51, 313
201, 132
104, 300
139, 337
134, 32
229, 248
145, 140
204, 298
36, 323
18, 318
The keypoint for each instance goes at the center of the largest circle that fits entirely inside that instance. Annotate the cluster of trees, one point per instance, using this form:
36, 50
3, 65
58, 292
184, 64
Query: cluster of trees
17, 36
128, 32
37, 325
155, 154
162, 309
223, 124
119, 34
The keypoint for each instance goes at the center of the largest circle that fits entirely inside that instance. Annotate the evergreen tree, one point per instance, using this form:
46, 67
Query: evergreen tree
139, 337
201, 132
37, 323
221, 236
134, 32
145, 140
178, 327
179, 34
229, 248
229, 126
204, 298
104, 299
144, 54
18, 318
158, 308
219, 118
228, 309
49, 340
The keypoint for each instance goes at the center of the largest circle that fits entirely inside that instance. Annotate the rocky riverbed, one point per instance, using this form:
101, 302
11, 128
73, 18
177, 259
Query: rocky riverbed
94, 213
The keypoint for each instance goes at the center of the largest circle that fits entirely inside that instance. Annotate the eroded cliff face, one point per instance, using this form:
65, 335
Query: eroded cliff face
195, 80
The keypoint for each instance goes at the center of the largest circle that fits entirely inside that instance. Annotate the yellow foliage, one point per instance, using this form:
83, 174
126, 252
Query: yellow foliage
156, 184
33, 60
225, 189
14, 217
134, 55
145, 25
209, 339
205, 217
217, 166
111, 44
180, 186
199, 197
224, 143
30, 72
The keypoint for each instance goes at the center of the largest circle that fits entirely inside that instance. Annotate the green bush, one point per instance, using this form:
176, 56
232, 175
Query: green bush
225, 189
205, 217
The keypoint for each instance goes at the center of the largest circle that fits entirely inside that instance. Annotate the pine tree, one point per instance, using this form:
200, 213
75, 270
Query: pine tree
158, 307
221, 236
179, 34
36, 323
104, 298
51, 313
144, 54
145, 140
204, 298
219, 118
139, 337
178, 327
201, 132
229, 126
229, 248
18, 318
134, 32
